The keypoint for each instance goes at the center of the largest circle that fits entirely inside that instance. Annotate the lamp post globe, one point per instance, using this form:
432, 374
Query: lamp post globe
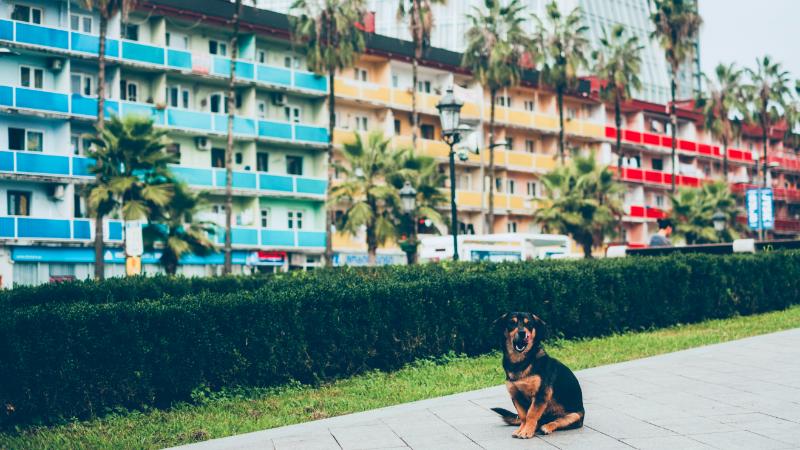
408, 197
449, 113
719, 220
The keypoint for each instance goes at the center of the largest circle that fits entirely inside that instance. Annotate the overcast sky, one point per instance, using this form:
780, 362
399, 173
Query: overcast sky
741, 30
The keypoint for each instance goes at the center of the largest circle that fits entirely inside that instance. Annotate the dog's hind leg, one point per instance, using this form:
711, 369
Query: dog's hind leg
571, 420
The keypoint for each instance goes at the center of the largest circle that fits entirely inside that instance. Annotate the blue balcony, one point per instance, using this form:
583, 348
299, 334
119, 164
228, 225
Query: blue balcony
27, 33
135, 51
6, 96
23, 227
179, 59
274, 75
222, 67
311, 186
142, 109
255, 181
41, 100
194, 177
274, 130
6, 30
46, 164
280, 183
277, 238
310, 134
182, 118
241, 180
87, 43
311, 239
87, 106
311, 81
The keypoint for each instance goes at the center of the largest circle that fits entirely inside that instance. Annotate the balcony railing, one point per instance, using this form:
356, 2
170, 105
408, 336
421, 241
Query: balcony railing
645, 212
785, 161
789, 195
39, 228
687, 146
656, 177
256, 181
44, 164
273, 238
153, 55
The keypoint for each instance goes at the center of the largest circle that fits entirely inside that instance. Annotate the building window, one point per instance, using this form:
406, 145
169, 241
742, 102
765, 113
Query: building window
294, 165
31, 77
265, 218
238, 158
396, 126
217, 48
426, 131
503, 100
291, 62
81, 23
261, 109
529, 146
361, 74
424, 87
19, 203
177, 41
130, 31
80, 145
174, 149
28, 14
292, 114
218, 157
531, 189
178, 97
294, 220
658, 164
261, 56
659, 201
21, 139
82, 84
395, 81
262, 162
78, 209
217, 103
512, 185
498, 184
362, 123
509, 143
511, 226
129, 90
572, 112
529, 105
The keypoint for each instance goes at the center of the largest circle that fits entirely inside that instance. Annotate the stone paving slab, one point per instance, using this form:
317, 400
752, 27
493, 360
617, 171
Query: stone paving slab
742, 394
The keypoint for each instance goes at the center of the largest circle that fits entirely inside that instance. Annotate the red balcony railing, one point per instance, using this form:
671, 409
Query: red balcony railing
785, 161
646, 212
657, 140
790, 195
656, 177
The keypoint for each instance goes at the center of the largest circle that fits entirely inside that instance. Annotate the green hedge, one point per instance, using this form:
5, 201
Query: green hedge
84, 358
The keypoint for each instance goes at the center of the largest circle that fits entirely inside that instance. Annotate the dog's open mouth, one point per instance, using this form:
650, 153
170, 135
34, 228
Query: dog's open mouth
520, 344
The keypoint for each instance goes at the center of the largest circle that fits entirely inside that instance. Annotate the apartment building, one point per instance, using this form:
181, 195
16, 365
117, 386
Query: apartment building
170, 61
166, 64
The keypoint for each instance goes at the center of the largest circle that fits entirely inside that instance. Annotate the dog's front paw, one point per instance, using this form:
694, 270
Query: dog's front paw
526, 433
547, 428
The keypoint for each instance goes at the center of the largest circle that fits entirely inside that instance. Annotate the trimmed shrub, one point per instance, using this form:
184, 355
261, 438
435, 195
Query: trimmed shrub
63, 358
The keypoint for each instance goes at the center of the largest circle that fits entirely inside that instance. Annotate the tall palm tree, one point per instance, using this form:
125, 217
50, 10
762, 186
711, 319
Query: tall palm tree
618, 62
106, 9
693, 211
767, 95
177, 231
584, 201
561, 48
677, 24
133, 168
369, 198
420, 25
724, 98
325, 29
230, 105
424, 175
495, 44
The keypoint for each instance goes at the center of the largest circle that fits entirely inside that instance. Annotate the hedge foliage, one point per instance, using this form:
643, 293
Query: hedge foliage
82, 358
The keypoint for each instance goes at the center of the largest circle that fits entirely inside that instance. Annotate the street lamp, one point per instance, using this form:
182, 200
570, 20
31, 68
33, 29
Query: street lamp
408, 202
450, 115
408, 197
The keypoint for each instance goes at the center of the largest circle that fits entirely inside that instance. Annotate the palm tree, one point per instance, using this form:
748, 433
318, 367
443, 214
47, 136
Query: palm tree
230, 105
677, 24
370, 200
618, 62
176, 231
693, 210
584, 201
495, 43
424, 175
767, 95
106, 10
420, 25
560, 46
724, 99
325, 28
132, 167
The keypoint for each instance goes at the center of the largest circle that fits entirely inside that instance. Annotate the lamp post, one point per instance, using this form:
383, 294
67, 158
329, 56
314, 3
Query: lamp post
408, 202
449, 114
719, 220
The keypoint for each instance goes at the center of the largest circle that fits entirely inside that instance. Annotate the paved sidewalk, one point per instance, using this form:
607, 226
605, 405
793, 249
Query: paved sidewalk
738, 395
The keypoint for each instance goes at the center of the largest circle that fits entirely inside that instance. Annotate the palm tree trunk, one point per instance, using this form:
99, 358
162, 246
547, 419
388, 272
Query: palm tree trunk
561, 143
231, 104
372, 239
618, 123
99, 262
414, 68
490, 216
673, 119
331, 122
725, 159
587, 249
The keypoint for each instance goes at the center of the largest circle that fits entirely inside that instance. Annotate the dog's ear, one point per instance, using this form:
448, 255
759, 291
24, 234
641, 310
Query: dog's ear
541, 328
500, 322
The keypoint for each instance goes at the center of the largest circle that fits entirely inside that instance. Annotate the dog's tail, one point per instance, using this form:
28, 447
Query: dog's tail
508, 416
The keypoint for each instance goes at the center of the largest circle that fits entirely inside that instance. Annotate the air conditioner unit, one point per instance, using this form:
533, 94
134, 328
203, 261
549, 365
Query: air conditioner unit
56, 191
278, 99
202, 143
55, 63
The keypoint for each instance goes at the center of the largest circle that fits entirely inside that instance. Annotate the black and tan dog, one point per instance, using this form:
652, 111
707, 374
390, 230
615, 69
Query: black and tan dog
544, 391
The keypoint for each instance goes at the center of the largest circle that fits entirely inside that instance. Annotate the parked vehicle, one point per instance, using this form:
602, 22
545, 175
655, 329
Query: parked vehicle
495, 247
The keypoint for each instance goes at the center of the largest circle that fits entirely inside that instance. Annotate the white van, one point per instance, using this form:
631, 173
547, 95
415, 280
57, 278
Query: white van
495, 247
